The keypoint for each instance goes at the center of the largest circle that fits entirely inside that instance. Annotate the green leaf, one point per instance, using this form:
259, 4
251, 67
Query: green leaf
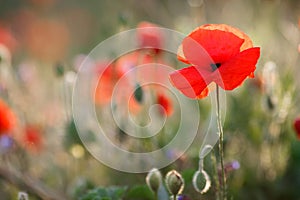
110, 193
140, 192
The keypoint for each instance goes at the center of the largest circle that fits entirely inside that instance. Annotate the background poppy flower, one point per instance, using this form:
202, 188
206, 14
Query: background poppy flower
165, 102
7, 119
32, 138
297, 127
109, 76
149, 36
218, 53
7, 39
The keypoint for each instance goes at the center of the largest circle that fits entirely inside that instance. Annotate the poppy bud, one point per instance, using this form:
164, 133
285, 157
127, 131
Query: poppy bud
59, 70
174, 182
22, 196
154, 179
201, 181
123, 19
270, 103
138, 93
297, 127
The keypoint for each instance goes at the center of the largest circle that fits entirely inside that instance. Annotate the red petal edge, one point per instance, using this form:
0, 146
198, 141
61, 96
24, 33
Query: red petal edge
191, 82
232, 73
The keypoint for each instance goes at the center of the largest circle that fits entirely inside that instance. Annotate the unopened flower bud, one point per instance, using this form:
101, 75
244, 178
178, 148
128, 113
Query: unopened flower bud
154, 179
201, 181
22, 196
174, 182
138, 93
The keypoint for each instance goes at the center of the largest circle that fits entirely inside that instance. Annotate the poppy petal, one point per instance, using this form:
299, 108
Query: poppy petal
180, 55
213, 42
191, 82
236, 70
195, 54
223, 27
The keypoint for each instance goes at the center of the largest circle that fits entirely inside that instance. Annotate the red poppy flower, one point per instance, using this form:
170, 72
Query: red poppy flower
297, 127
218, 53
167, 108
7, 38
107, 80
32, 138
149, 36
7, 119
109, 75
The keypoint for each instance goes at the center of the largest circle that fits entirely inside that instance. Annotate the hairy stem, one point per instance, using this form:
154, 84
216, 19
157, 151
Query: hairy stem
215, 176
221, 147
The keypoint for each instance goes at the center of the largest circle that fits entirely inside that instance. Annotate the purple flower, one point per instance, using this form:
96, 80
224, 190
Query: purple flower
6, 143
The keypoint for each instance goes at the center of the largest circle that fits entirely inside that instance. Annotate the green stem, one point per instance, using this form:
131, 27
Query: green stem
221, 147
174, 197
216, 177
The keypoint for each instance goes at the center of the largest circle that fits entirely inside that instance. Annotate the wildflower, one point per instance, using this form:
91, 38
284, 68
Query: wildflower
107, 79
32, 138
109, 76
217, 53
229, 167
7, 119
6, 143
183, 197
297, 127
7, 38
165, 103
149, 36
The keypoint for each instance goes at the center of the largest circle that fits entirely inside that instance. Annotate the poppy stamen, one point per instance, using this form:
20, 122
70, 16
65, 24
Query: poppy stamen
215, 66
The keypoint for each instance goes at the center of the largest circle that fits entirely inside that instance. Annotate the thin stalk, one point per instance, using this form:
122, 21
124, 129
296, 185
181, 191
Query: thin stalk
221, 147
174, 197
215, 176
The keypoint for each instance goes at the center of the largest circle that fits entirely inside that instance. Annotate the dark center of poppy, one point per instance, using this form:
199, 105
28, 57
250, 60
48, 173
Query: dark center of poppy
215, 66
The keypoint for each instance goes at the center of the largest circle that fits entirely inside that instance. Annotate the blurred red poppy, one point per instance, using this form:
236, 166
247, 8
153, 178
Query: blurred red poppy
149, 36
166, 103
7, 39
108, 76
7, 119
297, 127
32, 138
218, 53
